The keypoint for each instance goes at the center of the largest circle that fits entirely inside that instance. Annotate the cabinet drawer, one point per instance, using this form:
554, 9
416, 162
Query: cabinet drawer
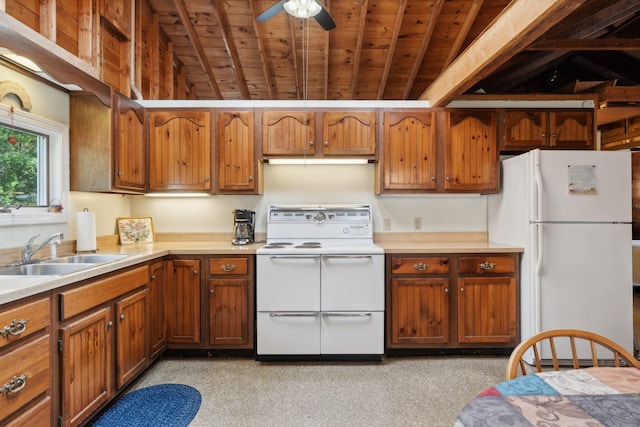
228, 266
490, 264
37, 415
419, 265
24, 320
33, 361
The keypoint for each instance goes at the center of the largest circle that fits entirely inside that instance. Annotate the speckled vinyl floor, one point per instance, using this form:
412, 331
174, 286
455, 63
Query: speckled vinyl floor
415, 391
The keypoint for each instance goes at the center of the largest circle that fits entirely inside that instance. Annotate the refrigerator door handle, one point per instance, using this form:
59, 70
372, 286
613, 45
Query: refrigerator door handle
537, 182
538, 245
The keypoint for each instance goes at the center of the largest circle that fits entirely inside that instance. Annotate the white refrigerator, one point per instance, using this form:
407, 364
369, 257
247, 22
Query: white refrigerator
571, 212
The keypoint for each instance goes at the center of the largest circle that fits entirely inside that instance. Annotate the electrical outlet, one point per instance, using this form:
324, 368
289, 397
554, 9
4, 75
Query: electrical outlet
417, 223
386, 226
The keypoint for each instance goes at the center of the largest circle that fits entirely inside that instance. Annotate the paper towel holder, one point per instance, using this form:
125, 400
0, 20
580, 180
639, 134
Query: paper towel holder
94, 244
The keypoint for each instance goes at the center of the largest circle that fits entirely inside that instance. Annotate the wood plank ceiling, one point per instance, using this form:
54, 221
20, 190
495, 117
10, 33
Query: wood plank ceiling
396, 49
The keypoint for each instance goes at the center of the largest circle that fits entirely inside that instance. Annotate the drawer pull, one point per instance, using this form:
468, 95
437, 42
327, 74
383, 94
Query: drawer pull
487, 265
15, 328
421, 266
228, 267
15, 385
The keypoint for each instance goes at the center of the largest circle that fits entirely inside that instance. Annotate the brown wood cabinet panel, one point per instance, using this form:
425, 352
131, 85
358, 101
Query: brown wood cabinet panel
180, 150
349, 133
132, 335
237, 163
36, 415
409, 160
27, 369
80, 299
571, 129
525, 130
288, 133
24, 320
157, 322
487, 310
471, 154
486, 264
130, 145
419, 310
420, 265
229, 311
86, 365
183, 301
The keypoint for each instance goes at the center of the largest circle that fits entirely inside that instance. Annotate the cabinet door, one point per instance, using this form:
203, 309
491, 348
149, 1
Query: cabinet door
130, 145
409, 151
236, 157
179, 150
487, 310
525, 130
419, 310
287, 133
131, 331
183, 301
228, 311
471, 153
157, 325
349, 133
86, 365
571, 129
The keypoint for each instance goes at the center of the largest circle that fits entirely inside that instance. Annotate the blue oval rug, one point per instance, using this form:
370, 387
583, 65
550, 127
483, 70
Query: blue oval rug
170, 405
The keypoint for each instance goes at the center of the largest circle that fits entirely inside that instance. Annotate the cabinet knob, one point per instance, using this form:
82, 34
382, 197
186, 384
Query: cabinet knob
15, 328
109, 324
310, 143
195, 272
228, 267
212, 291
487, 265
250, 177
326, 143
420, 266
15, 385
433, 178
153, 277
461, 289
448, 178
544, 134
553, 135
119, 173
446, 290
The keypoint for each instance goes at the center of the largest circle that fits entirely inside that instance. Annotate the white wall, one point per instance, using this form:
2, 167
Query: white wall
316, 184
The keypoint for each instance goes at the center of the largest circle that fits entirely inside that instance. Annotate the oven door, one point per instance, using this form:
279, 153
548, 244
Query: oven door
352, 282
288, 333
352, 332
288, 282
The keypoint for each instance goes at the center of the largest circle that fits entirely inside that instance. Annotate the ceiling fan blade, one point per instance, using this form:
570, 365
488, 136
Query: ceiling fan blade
325, 20
272, 11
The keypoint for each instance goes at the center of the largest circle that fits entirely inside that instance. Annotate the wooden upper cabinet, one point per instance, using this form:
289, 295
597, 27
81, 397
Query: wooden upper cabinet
530, 129
471, 152
180, 150
130, 145
237, 165
349, 133
288, 133
409, 159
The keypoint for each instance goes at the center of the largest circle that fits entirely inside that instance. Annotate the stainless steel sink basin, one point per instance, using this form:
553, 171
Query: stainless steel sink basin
43, 269
89, 258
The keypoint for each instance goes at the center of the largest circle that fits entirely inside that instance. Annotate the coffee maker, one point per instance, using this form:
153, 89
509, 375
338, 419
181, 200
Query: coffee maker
243, 227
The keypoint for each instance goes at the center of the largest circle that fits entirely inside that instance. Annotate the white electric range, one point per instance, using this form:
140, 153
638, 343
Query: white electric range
320, 284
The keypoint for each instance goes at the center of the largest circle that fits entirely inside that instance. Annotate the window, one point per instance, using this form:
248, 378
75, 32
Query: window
32, 171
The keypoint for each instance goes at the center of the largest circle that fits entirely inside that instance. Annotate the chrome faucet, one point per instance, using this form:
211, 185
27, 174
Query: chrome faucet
7, 208
29, 251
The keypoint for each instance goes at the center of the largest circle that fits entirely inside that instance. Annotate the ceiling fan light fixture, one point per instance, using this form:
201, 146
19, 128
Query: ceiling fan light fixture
302, 8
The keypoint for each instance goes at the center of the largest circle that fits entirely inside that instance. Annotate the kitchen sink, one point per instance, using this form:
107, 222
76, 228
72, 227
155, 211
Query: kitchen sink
89, 258
43, 269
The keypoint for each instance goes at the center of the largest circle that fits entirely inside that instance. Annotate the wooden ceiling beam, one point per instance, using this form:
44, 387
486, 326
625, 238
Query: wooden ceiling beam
271, 89
356, 60
183, 13
327, 5
586, 44
464, 30
519, 24
294, 55
392, 47
422, 50
232, 51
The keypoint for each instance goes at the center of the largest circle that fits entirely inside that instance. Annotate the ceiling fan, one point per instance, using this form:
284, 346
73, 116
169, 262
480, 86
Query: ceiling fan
300, 9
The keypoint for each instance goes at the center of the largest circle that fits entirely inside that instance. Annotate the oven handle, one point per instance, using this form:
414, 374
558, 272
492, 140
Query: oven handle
294, 256
295, 314
347, 256
341, 314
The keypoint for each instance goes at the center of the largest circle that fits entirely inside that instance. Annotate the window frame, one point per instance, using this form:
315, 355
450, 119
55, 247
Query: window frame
58, 159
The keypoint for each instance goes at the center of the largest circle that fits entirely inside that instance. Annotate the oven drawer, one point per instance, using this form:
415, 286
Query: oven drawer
283, 333
352, 332
288, 283
352, 282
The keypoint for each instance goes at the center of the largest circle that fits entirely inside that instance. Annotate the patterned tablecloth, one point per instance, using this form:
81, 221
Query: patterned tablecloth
589, 397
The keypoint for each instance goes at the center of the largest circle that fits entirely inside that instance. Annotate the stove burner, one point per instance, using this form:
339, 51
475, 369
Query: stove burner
281, 243
309, 245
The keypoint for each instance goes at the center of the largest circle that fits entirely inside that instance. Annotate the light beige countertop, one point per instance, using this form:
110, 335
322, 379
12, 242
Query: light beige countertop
13, 288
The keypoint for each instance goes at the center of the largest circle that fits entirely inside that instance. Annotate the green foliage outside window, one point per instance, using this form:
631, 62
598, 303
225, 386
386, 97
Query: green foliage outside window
18, 167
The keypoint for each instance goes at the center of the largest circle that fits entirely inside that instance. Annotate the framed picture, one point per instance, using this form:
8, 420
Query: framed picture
135, 230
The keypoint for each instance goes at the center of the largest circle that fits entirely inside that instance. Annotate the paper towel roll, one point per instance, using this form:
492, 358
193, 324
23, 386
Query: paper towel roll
85, 231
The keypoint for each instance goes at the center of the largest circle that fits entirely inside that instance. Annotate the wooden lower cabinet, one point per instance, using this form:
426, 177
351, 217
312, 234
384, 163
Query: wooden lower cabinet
182, 301
157, 322
231, 313
103, 335
452, 301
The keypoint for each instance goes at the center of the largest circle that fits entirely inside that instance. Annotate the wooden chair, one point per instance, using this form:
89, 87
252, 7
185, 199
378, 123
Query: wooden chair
552, 338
